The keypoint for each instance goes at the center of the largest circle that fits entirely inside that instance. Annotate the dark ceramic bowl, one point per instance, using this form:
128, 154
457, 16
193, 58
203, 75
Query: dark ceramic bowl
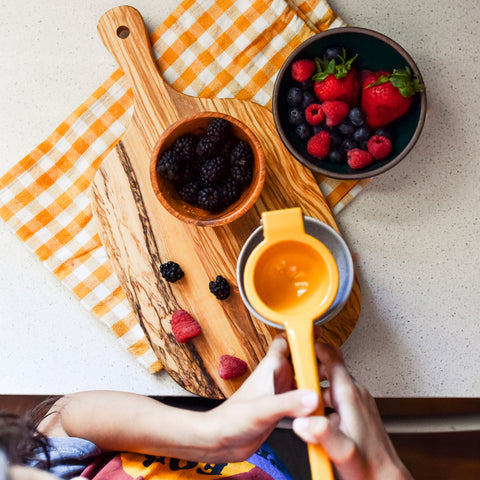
375, 52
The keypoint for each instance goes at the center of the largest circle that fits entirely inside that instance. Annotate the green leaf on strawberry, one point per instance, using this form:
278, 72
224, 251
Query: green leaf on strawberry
403, 80
339, 70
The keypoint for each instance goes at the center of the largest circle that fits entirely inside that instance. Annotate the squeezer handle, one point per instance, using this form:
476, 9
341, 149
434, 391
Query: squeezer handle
301, 341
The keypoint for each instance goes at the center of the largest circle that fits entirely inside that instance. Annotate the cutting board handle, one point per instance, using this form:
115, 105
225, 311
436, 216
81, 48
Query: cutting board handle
123, 33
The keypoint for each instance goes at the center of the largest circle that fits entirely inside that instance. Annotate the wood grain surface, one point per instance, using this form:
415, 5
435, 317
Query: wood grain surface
139, 234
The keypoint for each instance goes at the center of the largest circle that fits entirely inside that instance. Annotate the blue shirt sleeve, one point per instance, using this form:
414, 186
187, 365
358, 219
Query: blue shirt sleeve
69, 456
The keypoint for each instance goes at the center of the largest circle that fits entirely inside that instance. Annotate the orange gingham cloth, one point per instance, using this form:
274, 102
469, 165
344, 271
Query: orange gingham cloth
224, 48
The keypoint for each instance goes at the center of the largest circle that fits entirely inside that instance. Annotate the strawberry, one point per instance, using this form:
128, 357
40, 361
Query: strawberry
184, 326
358, 158
302, 70
314, 114
379, 147
231, 367
335, 111
337, 80
319, 145
388, 96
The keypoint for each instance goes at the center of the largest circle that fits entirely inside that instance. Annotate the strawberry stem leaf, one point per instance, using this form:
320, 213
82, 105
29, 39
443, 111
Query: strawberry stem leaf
339, 68
403, 80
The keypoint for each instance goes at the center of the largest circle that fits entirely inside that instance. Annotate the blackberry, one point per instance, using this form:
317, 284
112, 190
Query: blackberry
189, 192
209, 198
206, 147
241, 154
171, 271
184, 147
230, 191
220, 288
170, 165
226, 147
241, 173
213, 170
218, 129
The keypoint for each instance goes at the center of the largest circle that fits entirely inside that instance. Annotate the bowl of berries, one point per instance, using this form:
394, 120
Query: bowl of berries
207, 169
349, 103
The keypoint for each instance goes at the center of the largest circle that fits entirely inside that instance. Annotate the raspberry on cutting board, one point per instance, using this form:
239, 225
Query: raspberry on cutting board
184, 326
231, 367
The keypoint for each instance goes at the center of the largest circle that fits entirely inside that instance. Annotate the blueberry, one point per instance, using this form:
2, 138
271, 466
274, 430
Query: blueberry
317, 129
336, 139
349, 144
362, 133
327, 128
333, 52
304, 131
308, 99
337, 156
296, 116
295, 96
385, 132
356, 116
306, 85
346, 128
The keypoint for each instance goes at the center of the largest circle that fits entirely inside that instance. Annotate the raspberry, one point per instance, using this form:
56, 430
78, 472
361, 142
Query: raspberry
314, 114
379, 147
319, 145
358, 158
213, 169
335, 111
218, 129
302, 70
231, 367
184, 326
220, 288
171, 271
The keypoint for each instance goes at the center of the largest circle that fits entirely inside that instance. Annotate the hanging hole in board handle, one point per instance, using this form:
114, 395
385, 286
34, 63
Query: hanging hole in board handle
123, 32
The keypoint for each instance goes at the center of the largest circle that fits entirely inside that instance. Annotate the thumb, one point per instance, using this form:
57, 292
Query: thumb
341, 449
271, 408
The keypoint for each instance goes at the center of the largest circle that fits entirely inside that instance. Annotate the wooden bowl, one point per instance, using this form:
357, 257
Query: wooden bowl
375, 52
166, 193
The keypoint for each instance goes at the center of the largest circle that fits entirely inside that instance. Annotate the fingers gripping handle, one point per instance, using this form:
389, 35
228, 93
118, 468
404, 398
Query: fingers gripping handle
301, 341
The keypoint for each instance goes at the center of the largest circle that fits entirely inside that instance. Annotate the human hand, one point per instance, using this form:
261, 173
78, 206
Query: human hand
252, 412
353, 437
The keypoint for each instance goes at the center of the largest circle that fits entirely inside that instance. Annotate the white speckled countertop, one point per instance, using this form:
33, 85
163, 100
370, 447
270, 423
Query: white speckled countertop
415, 229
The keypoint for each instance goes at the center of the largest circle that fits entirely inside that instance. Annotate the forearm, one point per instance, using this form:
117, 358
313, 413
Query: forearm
127, 422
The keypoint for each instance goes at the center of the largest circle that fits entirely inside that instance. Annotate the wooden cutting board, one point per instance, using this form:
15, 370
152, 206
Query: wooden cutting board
139, 234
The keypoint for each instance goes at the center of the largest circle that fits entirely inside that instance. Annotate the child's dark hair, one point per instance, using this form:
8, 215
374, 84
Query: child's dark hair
19, 438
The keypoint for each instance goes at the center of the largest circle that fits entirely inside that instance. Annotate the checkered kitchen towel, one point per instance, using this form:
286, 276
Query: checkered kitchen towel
223, 48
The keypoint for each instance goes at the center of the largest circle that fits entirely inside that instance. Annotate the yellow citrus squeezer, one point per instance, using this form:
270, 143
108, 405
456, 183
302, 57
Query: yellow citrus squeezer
291, 279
